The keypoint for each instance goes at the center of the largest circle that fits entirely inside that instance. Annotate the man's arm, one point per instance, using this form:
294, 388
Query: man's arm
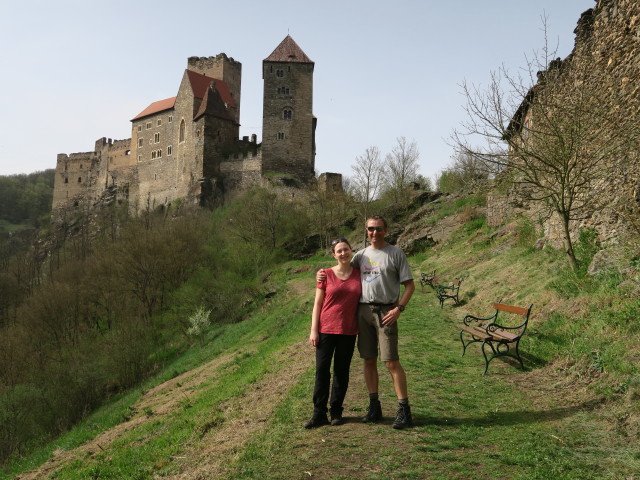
409, 288
392, 315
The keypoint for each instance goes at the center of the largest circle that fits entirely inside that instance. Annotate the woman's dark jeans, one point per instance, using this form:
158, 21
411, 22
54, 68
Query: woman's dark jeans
340, 348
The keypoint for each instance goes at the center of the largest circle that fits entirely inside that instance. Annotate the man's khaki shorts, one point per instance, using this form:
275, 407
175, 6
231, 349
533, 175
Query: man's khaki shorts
372, 335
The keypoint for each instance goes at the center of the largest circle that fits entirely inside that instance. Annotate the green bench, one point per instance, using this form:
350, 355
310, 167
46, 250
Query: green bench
427, 279
450, 291
503, 339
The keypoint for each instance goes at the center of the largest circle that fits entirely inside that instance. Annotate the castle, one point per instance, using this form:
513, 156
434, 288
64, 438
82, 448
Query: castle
187, 147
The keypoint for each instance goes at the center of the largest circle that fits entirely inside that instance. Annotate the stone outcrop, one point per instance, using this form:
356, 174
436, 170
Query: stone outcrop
607, 43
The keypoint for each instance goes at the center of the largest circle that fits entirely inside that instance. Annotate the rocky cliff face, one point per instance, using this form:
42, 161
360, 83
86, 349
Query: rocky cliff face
607, 44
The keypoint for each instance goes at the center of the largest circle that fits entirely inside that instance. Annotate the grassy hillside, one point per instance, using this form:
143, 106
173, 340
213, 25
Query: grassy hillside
233, 405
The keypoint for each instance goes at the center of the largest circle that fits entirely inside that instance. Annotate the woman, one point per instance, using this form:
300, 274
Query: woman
333, 333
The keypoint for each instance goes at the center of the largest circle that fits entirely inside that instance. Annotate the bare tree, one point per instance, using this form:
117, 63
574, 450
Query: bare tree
401, 169
367, 179
561, 140
465, 171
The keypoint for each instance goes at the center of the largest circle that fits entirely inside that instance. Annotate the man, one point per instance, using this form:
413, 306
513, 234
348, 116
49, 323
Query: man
383, 268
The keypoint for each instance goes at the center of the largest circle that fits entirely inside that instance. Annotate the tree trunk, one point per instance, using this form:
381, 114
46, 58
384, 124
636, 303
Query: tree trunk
568, 244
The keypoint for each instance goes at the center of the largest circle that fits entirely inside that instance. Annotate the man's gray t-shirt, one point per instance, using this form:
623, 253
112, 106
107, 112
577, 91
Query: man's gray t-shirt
382, 271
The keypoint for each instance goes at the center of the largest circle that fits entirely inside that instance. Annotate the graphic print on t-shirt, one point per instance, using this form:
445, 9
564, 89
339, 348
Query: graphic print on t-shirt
371, 271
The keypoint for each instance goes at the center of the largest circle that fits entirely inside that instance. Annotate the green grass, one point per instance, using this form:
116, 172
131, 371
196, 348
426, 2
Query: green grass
572, 414
467, 425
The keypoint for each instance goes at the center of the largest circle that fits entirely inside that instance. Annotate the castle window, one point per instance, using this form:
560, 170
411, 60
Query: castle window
287, 114
283, 90
169, 150
148, 125
280, 135
182, 131
198, 132
79, 179
279, 73
159, 121
153, 155
139, 158
170, 118
140, 140
159, 154
139, 128
66, 180
156, 137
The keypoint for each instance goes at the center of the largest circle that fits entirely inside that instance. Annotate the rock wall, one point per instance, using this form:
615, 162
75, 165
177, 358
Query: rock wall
607, 42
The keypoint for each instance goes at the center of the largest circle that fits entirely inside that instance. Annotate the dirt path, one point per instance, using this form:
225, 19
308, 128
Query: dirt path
208, 458
251, 413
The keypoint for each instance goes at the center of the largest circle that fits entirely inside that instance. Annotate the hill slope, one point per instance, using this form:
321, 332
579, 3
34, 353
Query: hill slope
235, 408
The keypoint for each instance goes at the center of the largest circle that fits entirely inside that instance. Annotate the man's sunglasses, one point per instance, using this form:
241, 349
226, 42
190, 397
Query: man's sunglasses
375, 229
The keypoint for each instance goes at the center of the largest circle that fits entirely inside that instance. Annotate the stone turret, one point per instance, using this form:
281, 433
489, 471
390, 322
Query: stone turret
288, 128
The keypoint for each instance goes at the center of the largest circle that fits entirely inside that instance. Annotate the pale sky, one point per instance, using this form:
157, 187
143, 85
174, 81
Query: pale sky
78, 70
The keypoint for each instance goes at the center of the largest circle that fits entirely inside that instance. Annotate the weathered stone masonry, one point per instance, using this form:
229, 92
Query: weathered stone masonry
607, 39
187, 147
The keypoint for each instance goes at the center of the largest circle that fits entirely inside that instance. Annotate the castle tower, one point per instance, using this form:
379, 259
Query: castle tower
222, 68
288, 124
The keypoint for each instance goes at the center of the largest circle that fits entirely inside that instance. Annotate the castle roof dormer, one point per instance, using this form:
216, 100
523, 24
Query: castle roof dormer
213, 104
288, 51
200, 84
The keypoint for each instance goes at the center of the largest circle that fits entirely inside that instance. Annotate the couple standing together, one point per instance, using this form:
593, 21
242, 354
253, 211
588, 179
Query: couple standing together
360, 296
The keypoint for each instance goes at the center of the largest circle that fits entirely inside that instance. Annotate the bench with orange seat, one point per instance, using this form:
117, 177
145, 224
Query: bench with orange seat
502, 338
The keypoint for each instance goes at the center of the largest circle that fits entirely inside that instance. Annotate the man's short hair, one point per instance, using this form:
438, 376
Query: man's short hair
378, 218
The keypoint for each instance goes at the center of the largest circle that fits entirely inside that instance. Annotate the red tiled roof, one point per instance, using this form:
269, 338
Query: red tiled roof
288, 51
156, 107
212, 104
200, 83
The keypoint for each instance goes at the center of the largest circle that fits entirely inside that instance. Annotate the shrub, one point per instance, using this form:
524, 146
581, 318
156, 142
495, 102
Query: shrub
199, 322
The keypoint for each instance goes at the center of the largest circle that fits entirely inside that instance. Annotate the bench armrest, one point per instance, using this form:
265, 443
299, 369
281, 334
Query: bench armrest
494, 327
472, 318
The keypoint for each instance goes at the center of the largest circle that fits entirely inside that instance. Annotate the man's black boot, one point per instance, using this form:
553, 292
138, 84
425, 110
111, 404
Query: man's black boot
403, 417
374, 412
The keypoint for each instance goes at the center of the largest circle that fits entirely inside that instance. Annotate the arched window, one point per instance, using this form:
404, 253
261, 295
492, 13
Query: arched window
182, 131
287, 114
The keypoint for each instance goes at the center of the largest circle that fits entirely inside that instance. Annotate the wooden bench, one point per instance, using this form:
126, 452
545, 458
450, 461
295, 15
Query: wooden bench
449, 291
503, 340
427, 279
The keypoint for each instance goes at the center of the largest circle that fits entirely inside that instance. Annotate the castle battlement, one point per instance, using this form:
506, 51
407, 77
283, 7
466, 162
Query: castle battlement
201, 63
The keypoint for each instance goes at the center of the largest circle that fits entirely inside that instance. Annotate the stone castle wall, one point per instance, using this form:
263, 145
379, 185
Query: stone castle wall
288, 143
607, 39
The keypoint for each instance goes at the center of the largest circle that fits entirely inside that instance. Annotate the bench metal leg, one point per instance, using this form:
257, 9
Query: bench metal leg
502, 350
487, 360
466, 344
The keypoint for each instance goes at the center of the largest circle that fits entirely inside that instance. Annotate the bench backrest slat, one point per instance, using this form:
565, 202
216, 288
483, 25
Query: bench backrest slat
512, 309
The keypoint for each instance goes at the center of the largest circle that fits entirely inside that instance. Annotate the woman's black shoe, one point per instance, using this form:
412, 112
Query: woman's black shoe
317, 420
